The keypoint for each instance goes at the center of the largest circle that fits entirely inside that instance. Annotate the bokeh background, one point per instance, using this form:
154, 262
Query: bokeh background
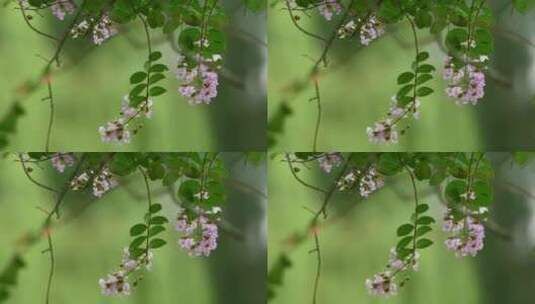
357, 238
89, 246
356, 92
89, 94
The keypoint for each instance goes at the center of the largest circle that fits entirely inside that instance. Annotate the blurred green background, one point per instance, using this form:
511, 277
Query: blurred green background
357, 238
89, 94
90, 246
356, 90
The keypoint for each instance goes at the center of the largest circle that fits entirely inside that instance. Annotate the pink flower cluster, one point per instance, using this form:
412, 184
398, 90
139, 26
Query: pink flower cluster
468, 234
199, 80
118, 130
128, 112
409, 263
115, 131
383, 132
102, 182
397, 111
371, 30
328, 8
200, 232
384, 283
466, 83
329, 160
62, 160
347, 30
369, 181
61, 8
117, 282
102, 29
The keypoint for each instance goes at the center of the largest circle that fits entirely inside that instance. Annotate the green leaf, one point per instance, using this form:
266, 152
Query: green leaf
390, 11
423, 78
156, 170
423, 19
404, 242
156, 77
484, 194
422, 56
422, 170
484, 42
137, 229
137, 90
424, 91
170, 178
137, 242
188, 189
425, 68
405, 77
455, 39
405, 229
156, 243
156, 230
454, 189
425, 220
423, 243
437, 178
157, 91
404, 90
123, 164
422, 230
155, 208
158, 220
158, 68
389, 164
422, 208
217, 42
188, 37
155, 18
138, 77
155, 56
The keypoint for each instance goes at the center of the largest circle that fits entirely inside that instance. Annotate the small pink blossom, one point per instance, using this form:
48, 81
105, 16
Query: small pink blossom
62, 160
62, 7
328, 8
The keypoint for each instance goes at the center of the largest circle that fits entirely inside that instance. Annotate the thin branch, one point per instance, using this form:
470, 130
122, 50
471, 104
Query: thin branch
30, 25
25, 169
51, 118
299, 179
149, 205
299, 27
318, 267
52, 266
318, 117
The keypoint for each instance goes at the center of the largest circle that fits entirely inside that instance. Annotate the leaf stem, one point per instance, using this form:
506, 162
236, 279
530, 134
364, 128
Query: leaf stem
149, 205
